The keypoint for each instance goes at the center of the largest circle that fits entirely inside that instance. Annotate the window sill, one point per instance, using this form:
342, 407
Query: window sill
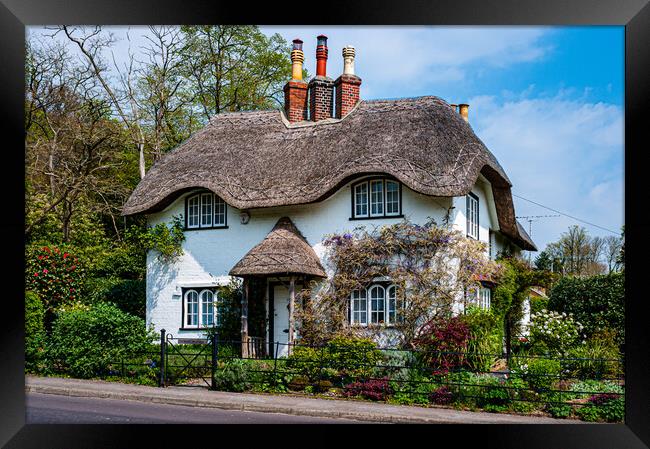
194, 328
205, 228
376, 217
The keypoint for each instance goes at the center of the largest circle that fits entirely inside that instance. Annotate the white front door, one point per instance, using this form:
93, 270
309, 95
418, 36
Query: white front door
280, 320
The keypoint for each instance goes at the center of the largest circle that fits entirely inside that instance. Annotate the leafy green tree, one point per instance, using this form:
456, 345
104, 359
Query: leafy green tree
234, 68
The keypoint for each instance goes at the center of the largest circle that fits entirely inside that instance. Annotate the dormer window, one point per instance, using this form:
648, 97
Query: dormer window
205, 210
472, 215
376, 197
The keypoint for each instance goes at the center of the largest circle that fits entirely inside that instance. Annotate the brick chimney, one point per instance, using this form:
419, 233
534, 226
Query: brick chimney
321, 88
347, 85
295, 91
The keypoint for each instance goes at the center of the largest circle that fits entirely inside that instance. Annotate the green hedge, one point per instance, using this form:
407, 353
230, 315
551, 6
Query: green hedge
35, 336
86, 341
598, 302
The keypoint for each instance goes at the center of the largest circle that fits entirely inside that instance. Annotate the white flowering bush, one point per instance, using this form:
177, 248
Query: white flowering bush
555, 333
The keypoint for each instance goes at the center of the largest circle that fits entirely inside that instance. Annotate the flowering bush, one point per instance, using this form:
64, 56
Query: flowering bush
374, 389
444, 342
555, 332
53, 274
431, 266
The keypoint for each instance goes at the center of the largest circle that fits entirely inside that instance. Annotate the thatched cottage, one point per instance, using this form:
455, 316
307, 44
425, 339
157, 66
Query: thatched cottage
259, 190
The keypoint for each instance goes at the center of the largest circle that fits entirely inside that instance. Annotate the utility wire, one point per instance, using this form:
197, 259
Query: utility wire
566, 215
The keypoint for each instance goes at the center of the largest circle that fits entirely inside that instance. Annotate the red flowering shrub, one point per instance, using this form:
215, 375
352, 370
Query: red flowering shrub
442, 396
54, 274
443, 344
374, 389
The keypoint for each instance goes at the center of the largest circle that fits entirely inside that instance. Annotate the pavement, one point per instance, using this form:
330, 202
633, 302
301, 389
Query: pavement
268, 403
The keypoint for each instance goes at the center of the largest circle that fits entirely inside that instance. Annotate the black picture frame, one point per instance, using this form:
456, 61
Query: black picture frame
633, 14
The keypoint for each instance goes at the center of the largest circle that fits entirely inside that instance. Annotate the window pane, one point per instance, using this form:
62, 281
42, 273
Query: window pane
192, 308
206, 209
391, 305
377, 305
376, 197
472, 216
359, 307
219, 211
207, 308
392, 198
193, 212
361, 200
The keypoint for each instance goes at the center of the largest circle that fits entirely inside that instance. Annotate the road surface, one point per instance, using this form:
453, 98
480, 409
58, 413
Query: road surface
57, 409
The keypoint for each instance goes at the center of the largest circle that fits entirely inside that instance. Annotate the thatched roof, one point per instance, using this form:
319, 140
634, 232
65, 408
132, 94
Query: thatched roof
258, 159
283, 251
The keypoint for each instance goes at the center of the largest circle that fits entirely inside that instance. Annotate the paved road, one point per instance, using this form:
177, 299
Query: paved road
57, 409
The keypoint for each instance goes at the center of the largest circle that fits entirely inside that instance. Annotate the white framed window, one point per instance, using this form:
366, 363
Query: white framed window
392, 198
193, 209
377, 197
375, 305
205, 210
472, 215
200, 308
361, 200
359, 306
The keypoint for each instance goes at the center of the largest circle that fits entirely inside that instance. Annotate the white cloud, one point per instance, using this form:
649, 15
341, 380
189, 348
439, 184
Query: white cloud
561, 152
414, 56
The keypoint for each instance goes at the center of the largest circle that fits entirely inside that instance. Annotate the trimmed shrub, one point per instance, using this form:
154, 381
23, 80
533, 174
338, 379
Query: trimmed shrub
35, 349
86, 341
598, 302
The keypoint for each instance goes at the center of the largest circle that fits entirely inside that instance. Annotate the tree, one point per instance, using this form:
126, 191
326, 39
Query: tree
73, 148
612, 251
575, 253
233, 68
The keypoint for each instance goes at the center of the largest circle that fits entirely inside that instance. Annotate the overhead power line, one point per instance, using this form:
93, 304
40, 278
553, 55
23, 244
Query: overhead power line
567, 215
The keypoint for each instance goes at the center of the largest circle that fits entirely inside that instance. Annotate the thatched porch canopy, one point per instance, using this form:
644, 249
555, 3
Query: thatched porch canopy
284, 251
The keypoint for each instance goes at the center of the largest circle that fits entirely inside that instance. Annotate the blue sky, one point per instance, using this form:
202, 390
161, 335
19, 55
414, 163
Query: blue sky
547, 101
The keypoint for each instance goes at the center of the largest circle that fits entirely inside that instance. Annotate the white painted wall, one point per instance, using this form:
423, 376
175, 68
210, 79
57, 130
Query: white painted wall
210, 254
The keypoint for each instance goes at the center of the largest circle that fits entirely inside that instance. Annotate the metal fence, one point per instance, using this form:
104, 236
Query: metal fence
415, 376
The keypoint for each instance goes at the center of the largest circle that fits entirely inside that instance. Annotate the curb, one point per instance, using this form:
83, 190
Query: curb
176, 397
